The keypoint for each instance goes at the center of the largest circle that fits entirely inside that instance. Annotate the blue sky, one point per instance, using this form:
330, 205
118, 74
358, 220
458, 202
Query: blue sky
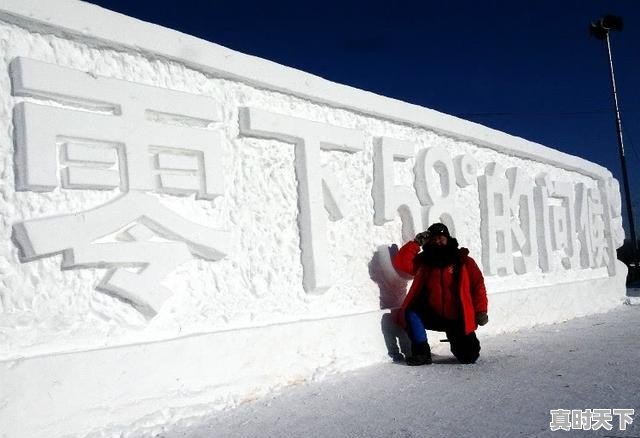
525, 67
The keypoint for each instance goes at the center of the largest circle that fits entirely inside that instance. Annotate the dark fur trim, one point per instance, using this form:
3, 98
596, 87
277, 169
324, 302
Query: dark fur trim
432, 255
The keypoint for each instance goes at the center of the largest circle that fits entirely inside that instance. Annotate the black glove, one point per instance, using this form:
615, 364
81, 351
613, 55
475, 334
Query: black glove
482, 318
421, 238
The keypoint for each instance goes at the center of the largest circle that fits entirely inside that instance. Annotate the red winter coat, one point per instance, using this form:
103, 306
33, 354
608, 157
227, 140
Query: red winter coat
437, 284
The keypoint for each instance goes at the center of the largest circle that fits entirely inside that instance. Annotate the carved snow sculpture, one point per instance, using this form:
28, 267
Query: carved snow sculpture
434, 169
466, 168
601, 247
317, 188
592, 216
604, 234
556, 223
107, 135
508, 233
390, 199
612, 188
582, 225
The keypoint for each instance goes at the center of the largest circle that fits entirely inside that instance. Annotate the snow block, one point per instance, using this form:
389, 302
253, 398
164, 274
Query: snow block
187, 227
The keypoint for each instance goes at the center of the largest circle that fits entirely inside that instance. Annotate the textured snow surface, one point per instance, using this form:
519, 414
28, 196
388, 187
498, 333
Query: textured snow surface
44, 309
586, 363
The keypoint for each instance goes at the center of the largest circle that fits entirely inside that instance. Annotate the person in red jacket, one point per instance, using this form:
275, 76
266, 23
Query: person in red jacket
447, 294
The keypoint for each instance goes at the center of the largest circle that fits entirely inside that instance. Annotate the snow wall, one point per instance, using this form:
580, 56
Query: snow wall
187, 227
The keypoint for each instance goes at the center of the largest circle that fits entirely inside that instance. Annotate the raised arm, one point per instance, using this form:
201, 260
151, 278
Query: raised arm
403, 261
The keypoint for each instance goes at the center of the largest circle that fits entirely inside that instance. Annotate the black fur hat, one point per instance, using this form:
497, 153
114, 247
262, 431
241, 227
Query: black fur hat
438, 229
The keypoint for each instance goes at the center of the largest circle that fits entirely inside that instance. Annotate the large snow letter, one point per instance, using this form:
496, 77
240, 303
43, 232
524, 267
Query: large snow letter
606, 254
106, 134
607, 249
140, 217
495, 226
593, 217
316, 189
109, 133
508, 229
582, 225
435, 186
556, 223
597, 227
612, 189
466, 170
390, 199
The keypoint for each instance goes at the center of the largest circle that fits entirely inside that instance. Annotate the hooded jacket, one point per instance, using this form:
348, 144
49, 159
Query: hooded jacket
433, 284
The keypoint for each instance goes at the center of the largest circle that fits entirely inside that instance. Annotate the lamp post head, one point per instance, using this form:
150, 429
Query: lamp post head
600, 28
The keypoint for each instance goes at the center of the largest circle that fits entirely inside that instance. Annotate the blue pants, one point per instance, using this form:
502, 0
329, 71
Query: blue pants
466, 348
415, 327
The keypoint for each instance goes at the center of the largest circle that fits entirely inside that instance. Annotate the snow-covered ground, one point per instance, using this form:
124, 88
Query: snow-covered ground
586, 363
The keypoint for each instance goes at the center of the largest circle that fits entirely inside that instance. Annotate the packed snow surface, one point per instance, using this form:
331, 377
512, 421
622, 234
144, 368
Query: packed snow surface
586, 363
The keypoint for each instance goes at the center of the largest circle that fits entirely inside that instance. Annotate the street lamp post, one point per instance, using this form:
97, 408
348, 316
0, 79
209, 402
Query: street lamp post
600, 30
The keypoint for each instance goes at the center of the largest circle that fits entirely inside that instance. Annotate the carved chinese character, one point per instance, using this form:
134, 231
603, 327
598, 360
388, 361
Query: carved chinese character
317, 188
592, 217
597, 227
508, 229
108, 134
556, 223
612, 188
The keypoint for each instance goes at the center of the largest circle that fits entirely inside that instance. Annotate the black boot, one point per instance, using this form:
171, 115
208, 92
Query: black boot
466, 348
421, 354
